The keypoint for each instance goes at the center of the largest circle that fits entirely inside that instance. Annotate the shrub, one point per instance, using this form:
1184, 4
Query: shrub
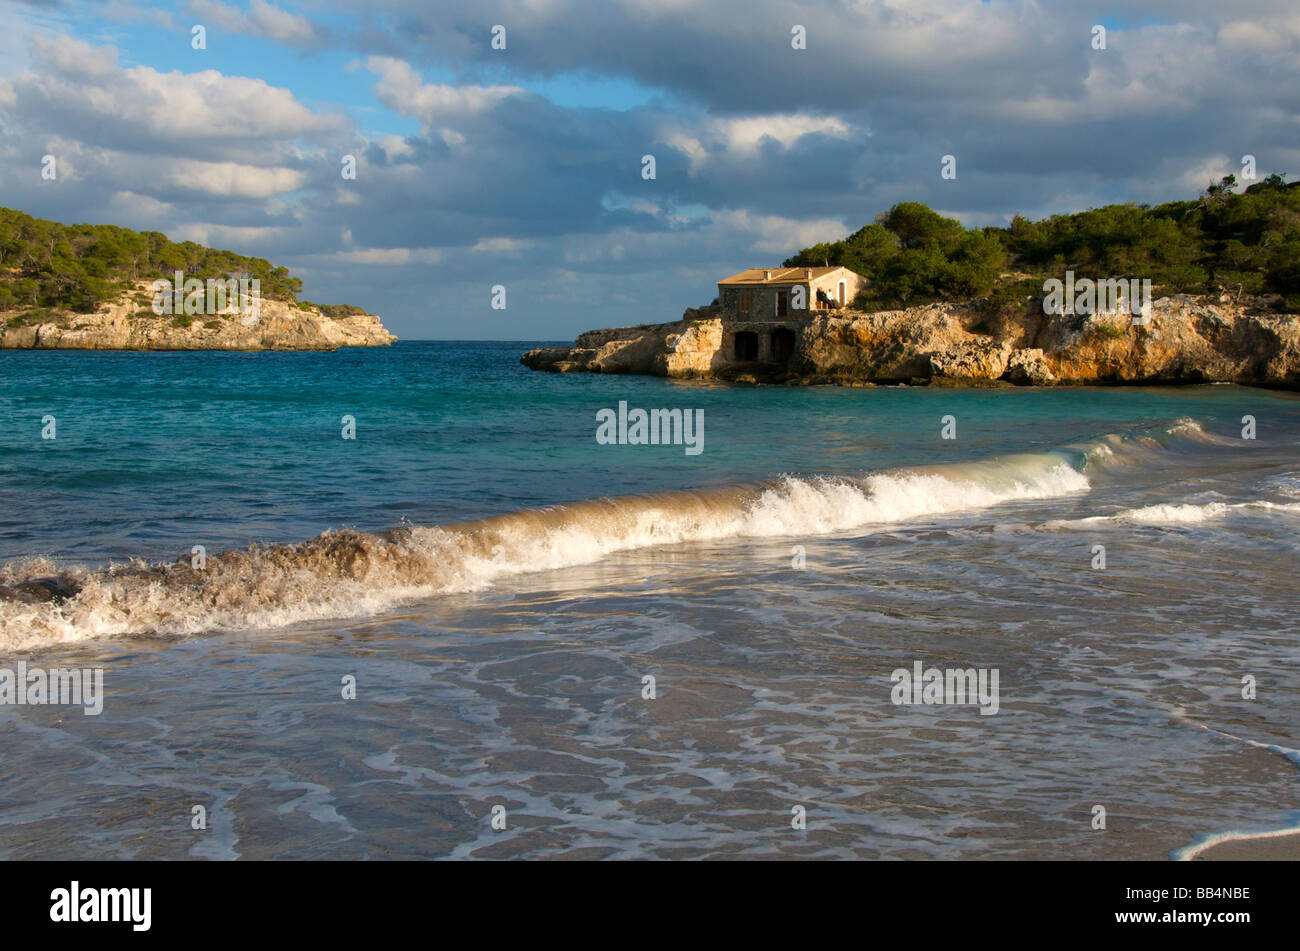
79, 267
1247, 243
1282, 274
1110, 331
340, 310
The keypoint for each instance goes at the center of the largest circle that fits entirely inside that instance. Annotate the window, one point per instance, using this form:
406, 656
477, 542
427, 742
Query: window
782, 303
746, 301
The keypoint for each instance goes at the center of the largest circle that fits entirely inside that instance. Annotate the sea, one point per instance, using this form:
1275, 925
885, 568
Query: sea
403, 603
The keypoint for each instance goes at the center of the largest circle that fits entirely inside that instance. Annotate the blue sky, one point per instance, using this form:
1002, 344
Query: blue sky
522, 166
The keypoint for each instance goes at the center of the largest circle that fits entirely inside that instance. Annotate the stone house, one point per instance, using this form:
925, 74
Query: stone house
786, 293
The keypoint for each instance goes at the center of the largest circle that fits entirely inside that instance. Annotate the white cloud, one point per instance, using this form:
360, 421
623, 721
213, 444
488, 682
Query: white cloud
745, 135
123, 11
133, 206
231, 179
502, 245
63, 54
777, 143
1197, 177
742, 137
1279, 35
774, 234
401, 89
389, 256
261, 19
395, 146
84, 82
227, 236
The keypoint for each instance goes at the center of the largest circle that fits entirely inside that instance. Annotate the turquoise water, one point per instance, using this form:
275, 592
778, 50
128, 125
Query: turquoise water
499, 637
156, 452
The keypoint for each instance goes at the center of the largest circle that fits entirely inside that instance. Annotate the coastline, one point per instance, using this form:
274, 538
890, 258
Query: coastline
1182, 340
1282, 845
127, 323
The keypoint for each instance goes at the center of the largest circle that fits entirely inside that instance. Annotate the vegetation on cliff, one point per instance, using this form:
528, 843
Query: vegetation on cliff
46, 266
1224, 241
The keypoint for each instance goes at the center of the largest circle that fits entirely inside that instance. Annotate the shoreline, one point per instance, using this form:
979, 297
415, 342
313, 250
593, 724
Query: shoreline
1182, 340
125, 325
1281, 845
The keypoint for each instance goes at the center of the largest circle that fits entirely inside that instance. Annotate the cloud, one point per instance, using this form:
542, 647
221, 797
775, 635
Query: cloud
231, 179
776, 235
384, 256
123, 11
401, 89
760, 148
743, 137
222, 236
501, 245
1280, 35
80, 88
260, 19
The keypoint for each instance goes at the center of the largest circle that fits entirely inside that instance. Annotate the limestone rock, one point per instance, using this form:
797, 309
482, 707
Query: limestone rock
1028, 367
971, 361
1184, 340
126, 324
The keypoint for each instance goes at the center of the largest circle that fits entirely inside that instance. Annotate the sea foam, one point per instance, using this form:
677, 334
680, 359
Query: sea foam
349, 573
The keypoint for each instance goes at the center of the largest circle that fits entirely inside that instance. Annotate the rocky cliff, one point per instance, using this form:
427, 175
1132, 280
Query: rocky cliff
1186, 340
129, 323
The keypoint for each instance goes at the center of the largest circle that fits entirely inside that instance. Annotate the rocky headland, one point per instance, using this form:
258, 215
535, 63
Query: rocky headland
1186, 339
127, 322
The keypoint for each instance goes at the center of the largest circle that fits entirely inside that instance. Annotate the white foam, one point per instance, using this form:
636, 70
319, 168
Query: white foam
1189, 852
349, 574
1175, 514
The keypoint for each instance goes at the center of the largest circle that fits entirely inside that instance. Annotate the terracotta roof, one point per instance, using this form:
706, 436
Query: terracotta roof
780, 275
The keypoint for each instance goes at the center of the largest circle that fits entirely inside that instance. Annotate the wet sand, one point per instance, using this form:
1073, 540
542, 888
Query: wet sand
1266, 847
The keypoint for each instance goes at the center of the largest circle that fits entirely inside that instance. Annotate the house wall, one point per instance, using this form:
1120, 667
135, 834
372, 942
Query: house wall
763, 296
763, 300
830, 284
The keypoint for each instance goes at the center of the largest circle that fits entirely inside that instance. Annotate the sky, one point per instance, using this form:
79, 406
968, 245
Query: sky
523, 167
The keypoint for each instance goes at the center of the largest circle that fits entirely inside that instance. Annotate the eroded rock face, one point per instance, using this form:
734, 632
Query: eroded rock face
970, 361
126, 324
1186, 340
695, 351
1029, 368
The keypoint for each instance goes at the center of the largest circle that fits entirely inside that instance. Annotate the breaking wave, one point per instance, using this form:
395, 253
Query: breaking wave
348, 573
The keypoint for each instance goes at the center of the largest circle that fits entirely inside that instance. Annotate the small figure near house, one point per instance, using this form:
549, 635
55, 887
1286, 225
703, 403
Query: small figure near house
787, 293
